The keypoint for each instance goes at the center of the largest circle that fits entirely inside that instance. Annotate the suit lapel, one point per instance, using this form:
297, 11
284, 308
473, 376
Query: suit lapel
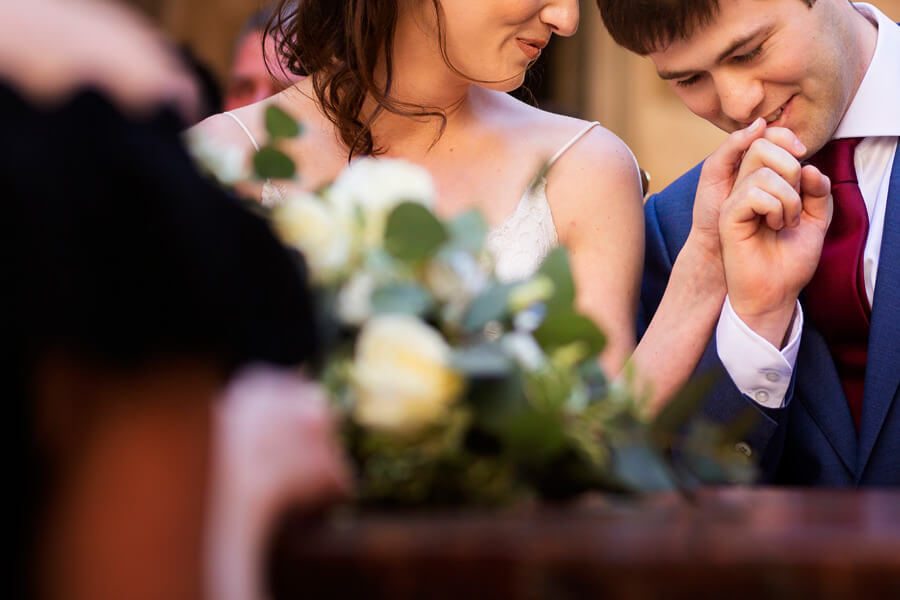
883, 359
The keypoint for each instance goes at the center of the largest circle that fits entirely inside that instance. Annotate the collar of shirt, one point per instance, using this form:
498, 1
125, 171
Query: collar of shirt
875, 109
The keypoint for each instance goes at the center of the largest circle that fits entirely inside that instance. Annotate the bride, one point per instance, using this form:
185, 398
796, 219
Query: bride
425, 81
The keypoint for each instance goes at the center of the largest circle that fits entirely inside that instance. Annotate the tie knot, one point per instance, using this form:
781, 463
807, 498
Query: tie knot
835, 160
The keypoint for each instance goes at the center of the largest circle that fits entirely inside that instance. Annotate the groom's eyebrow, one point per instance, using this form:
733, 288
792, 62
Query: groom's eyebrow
762, 30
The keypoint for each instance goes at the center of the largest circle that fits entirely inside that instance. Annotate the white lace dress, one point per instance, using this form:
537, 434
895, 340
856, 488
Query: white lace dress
521, 243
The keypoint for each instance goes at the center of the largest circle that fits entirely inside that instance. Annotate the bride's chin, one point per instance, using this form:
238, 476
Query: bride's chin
506, 85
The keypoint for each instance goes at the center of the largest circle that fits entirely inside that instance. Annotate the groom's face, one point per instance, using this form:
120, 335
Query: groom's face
778, 59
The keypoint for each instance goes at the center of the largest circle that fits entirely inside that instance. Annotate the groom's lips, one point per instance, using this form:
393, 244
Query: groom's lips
778, 118
531, 48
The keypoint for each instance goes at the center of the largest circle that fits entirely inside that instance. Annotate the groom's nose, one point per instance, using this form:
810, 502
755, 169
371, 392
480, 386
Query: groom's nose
740, 96
561, 16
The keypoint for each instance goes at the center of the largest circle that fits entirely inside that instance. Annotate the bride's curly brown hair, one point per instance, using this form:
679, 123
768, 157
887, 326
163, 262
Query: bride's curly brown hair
338, 43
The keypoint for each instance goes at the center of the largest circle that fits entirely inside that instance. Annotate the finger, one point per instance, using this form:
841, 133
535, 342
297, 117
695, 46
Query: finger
772, 183
787, 139
751, 204
816, 191
722, 163
765, 153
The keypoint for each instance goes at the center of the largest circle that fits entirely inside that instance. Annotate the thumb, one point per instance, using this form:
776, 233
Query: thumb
816, 192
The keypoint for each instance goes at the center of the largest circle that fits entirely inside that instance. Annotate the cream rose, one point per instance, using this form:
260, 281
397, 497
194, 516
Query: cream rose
307, 223
370, 188
354, 301
402, 377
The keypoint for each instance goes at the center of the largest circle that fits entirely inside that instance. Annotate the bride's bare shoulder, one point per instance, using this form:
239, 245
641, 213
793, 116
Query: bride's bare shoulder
544, 133
238, 126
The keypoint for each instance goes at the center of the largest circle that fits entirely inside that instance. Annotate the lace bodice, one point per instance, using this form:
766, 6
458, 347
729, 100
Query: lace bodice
521, 243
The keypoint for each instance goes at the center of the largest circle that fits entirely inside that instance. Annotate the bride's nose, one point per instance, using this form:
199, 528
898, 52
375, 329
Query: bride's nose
561, 16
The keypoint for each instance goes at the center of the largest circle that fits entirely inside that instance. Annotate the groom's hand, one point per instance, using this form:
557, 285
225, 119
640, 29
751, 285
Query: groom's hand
771, 230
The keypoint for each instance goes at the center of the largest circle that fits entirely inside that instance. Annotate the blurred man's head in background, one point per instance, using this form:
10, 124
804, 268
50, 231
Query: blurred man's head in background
249, 79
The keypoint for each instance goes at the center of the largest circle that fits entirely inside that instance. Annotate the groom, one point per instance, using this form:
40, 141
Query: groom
809, 330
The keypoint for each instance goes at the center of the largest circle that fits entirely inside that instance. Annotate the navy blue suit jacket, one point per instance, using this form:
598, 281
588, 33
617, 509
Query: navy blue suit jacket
812, 440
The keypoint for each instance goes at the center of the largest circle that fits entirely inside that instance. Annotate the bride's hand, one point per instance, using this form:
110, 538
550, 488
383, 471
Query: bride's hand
717, 179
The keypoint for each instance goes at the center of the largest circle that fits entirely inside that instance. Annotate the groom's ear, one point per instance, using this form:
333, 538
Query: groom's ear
647, 26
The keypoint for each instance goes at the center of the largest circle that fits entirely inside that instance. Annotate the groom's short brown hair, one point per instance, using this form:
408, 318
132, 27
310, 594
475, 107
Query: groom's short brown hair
645, 26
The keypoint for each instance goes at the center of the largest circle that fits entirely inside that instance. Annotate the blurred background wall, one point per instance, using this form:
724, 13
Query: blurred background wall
586, 75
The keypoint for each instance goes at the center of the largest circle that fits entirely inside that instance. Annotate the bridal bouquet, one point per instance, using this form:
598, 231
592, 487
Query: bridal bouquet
455, 387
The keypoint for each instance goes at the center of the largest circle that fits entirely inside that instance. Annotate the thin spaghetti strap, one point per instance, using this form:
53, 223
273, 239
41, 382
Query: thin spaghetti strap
244, 127
571, 143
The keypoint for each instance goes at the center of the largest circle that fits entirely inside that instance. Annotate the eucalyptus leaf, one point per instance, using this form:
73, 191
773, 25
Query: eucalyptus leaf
641, 467
271, 163
491, 305
468, 230
413, 233
280, 125
562, 328
402, 298
556, 267
484, 360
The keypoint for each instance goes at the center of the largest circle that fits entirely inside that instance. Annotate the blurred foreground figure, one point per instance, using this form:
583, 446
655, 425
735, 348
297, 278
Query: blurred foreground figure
50, 47
136, 290
249, 80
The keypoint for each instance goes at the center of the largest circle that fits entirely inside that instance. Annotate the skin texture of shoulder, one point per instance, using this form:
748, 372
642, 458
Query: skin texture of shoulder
595, 198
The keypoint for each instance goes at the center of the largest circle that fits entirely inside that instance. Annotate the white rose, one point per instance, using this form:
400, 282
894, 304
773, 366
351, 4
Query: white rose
307, 223
354, 301
227, 163
372, 188
402, 377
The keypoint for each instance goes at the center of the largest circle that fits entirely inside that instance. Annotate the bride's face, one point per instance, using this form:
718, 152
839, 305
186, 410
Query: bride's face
493, 42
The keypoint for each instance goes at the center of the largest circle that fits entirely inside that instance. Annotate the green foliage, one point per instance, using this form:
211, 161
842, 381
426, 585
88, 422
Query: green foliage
491, 305
280, 125
556, 267
272, 163
563, 328
468, 230
413, 233
405, 298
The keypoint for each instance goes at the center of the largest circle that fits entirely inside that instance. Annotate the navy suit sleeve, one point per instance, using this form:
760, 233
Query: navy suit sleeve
668, 216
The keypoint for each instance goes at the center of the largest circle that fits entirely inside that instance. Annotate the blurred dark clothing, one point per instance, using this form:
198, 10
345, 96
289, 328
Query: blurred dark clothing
115, 251
119, 250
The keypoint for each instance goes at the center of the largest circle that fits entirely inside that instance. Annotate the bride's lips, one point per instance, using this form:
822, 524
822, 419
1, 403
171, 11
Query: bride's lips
531, 48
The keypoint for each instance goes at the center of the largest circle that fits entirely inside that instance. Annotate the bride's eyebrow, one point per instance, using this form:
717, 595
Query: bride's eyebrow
761, 31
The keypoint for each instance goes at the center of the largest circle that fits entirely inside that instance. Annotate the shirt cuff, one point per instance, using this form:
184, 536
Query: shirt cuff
756, 367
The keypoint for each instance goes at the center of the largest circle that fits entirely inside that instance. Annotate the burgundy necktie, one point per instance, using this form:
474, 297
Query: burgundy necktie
835, 299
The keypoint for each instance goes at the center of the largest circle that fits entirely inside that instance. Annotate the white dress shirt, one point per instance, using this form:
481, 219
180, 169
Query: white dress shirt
758, 368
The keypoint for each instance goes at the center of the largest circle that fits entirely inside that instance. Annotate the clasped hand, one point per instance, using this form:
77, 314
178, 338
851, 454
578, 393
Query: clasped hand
772, 216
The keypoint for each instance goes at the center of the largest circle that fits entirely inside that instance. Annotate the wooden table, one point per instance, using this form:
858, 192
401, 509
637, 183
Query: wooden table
731, 543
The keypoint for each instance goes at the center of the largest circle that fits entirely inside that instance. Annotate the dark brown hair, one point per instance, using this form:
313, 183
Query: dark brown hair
645, 26
338, 44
